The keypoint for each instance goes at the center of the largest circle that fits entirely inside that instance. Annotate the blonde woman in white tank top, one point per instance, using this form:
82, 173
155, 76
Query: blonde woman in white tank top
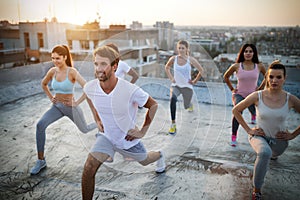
270, 138
181, 80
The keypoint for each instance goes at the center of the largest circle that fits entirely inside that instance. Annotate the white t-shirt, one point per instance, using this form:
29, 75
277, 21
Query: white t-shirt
118, 109
122, 70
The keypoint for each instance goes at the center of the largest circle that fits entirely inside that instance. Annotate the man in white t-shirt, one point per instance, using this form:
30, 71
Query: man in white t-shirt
124, 68
114, 103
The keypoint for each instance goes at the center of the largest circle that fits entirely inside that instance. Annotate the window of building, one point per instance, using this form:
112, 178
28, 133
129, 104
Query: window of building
40, 40
70, 44
84, 44
96, 42
26, 40
1, 48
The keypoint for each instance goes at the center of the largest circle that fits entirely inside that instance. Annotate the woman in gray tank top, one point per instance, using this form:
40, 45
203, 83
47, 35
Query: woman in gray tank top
270, 137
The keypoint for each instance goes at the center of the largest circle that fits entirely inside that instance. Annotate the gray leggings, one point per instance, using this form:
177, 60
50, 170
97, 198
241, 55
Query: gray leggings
187, 94
264, 147
56, 112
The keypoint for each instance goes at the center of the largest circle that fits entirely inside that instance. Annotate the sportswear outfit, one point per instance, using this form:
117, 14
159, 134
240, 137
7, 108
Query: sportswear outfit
271, 120
182, 76
246, 84
57, 111
118, 112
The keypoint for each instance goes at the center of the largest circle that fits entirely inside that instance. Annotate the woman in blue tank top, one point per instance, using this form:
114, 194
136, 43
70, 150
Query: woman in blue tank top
270, 138
63, 76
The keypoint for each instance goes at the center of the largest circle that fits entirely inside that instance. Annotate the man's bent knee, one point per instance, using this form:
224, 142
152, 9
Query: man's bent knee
91, 166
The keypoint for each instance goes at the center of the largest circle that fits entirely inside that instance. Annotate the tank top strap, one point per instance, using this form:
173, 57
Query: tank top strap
241, 65
68, 71
259, 95
175, 60
54, 76
67, 76
188, 60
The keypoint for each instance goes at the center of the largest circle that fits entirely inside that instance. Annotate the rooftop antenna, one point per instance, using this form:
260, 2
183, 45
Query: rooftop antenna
98, 17
98, 13
19, 15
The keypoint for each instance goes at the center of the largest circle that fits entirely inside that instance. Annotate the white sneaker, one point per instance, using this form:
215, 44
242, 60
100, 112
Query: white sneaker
39, 165
161, 165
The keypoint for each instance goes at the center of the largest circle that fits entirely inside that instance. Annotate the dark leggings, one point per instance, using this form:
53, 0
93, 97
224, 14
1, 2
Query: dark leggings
236, 98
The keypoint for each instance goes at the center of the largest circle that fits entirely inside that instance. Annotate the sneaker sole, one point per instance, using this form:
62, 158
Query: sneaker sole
173, 133
233, 145
160, 172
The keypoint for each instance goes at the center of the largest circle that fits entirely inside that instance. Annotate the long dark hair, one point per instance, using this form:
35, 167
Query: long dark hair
63, 50
241, 57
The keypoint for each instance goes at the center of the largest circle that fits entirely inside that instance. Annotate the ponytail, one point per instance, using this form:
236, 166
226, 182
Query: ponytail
69, 58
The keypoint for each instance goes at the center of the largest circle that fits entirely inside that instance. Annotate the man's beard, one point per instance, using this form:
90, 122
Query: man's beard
104, 77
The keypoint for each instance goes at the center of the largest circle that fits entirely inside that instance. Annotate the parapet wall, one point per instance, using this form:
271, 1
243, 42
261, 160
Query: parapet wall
21, 82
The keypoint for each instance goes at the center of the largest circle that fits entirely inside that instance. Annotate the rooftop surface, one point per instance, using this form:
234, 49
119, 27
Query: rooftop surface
200, 162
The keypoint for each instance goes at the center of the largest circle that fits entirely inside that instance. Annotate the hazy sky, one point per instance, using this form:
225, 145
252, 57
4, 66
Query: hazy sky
183, 12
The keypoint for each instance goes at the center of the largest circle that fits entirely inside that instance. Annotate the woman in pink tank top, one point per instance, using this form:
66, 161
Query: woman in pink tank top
247, 69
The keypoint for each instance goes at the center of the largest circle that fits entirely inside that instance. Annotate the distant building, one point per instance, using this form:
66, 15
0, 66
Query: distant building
10, 47
208, 43
139, 48
9, 36
136, 25
35, 40
166, 35
36, 37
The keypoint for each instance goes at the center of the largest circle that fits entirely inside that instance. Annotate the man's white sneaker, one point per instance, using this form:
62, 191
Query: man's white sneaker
161, 165
39, 165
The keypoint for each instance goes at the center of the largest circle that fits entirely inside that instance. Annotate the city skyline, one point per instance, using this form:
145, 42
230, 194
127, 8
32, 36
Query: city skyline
189, 12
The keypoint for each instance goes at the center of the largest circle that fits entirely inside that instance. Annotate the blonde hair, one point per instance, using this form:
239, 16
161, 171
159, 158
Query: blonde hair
108, 52
185, 43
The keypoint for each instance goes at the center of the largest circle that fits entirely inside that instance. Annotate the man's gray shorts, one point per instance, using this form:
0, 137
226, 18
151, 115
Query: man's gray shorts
103, 145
